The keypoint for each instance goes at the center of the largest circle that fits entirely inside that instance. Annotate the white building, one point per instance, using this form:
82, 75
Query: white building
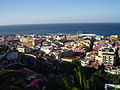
111, 87
46, 49
107, 56
84, 63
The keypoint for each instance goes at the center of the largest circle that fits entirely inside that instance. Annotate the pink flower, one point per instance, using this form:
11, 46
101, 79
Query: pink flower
37, 83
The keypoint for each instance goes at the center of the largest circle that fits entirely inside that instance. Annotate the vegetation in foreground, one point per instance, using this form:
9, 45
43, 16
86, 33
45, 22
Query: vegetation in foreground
57, 75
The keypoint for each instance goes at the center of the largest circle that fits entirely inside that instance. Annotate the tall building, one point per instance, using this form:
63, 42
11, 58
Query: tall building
107, 56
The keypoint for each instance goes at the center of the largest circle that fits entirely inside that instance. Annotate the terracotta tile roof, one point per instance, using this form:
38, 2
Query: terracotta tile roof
28, 72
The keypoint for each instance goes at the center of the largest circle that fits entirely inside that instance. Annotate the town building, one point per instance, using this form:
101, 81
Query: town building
112, 87
107, 56
29, 42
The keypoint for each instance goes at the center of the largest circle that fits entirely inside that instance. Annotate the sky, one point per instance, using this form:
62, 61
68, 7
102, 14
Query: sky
58, 11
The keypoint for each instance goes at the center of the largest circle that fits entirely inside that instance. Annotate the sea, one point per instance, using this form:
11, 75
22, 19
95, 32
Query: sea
64, 28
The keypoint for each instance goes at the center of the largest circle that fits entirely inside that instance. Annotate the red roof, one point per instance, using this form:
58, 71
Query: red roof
68, 43
96, 48
79, 50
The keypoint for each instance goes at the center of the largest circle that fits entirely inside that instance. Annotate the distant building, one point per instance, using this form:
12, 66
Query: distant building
107, 56
47, 49
72, 37
57, 55
29, 42
23, 49
112, 87
70, 59
84, 63
90, 35
112, 70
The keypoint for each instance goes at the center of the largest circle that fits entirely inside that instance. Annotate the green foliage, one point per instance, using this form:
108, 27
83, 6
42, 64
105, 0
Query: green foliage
96, 83
109, 78
115, 79
100, 73
77, 81
76, 62
75, 89
116, 89
54, 84
67, 86
67, 67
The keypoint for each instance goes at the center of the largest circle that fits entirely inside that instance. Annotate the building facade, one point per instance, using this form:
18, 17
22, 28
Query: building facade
107, 56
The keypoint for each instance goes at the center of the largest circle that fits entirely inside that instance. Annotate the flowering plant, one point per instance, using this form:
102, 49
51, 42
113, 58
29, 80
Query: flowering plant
37, 83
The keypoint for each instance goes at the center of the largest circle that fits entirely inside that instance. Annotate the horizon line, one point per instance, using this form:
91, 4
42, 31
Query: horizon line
61, 23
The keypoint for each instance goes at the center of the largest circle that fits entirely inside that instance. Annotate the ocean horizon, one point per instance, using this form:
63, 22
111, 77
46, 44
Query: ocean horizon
62, 28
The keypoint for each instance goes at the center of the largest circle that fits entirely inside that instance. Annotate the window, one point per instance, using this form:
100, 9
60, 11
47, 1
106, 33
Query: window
103, 50
111, 50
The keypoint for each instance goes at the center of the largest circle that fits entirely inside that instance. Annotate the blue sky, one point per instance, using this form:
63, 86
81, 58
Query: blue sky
58, 11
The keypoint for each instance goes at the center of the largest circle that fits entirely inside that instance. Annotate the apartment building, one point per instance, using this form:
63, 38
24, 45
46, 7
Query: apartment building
107, 56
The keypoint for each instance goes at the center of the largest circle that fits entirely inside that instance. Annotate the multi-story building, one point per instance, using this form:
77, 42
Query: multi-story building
107, 56
28, 42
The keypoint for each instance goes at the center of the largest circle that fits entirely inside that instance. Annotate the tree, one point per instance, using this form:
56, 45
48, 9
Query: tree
96, 83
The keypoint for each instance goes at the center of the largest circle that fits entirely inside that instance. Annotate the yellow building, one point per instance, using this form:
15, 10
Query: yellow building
28, 42
21, 50
107, 56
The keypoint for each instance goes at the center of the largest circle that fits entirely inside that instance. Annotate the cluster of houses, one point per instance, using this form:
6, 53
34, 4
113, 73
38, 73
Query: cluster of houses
89, 49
